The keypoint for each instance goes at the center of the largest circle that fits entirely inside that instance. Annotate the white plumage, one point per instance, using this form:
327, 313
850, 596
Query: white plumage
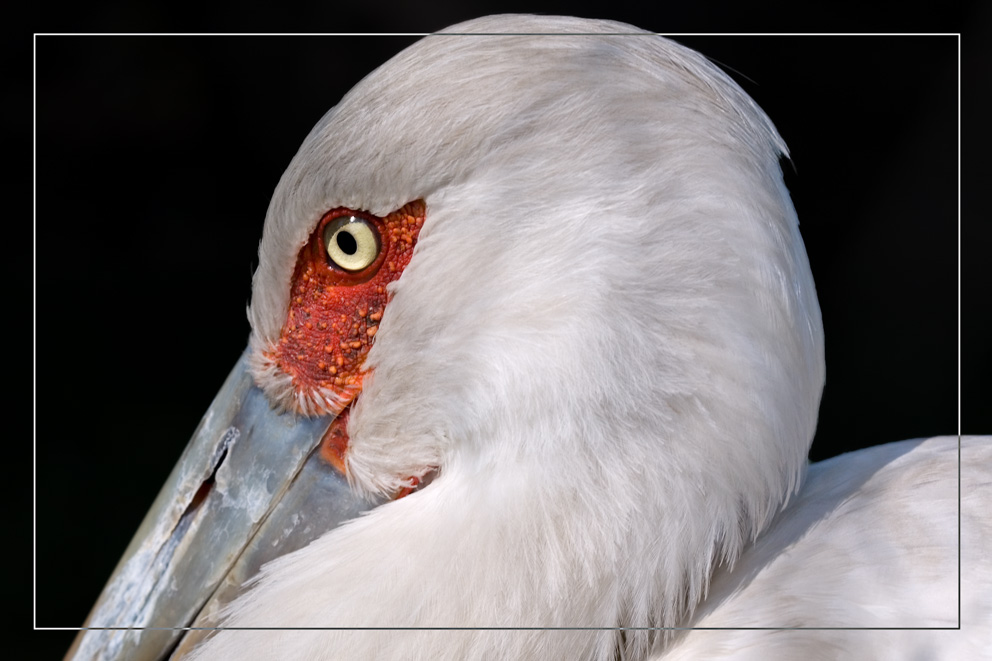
608, 344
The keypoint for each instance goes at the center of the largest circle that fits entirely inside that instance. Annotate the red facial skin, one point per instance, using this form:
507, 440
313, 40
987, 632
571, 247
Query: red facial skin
334, 314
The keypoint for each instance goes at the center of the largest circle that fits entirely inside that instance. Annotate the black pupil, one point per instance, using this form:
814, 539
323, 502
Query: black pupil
347, 243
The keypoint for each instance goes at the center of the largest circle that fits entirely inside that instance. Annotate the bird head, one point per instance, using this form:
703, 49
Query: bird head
559, 277
587, 228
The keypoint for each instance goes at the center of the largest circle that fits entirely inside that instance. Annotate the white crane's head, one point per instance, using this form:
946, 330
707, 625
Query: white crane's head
561, 276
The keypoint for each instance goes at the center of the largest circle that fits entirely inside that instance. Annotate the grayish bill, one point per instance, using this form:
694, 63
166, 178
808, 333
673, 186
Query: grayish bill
249, 487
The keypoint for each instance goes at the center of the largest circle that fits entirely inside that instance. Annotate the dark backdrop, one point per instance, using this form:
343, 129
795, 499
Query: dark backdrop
156, 157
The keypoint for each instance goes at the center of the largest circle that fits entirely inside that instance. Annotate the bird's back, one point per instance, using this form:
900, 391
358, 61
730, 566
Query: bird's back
865, 564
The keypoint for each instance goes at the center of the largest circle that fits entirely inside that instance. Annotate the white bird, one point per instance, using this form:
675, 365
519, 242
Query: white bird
553, 290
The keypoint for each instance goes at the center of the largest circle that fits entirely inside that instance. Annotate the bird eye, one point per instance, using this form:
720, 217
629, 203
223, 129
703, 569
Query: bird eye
352, 243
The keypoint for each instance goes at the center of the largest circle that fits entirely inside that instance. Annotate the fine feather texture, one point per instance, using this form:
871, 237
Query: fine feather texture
872, 541
607, 340
607, 229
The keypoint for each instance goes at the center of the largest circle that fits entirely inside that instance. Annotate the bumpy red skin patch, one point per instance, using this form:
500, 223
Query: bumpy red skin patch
334, 314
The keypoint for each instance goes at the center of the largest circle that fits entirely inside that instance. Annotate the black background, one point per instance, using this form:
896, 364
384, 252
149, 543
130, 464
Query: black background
156, 157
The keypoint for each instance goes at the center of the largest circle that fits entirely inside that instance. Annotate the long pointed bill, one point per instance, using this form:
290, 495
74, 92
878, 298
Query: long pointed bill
251, 485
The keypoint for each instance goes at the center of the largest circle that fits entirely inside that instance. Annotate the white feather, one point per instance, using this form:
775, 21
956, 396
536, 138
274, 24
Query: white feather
607, 340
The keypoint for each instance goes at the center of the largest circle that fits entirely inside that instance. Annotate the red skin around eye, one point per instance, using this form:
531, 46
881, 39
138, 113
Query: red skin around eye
334, 314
